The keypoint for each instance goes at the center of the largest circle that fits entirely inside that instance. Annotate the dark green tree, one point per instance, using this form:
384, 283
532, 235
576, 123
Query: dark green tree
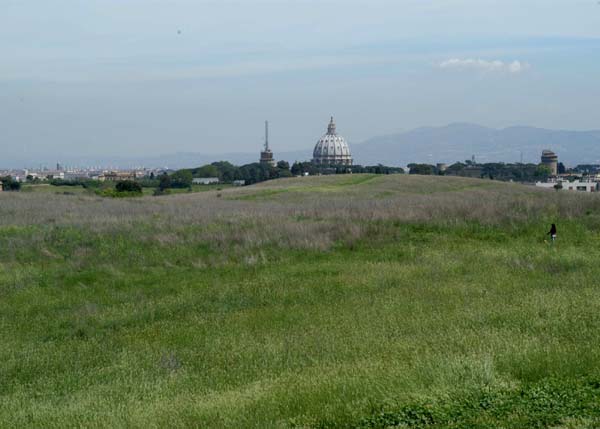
128, 186
423, 169
227, 171
164, 182
181, 179
283, 165
9, 184
542, 171
283, 169
296, 169
208, 171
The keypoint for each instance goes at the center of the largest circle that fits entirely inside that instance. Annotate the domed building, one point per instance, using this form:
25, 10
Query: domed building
332, 149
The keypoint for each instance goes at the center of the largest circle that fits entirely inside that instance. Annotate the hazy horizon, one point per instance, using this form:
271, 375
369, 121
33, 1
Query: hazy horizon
107, 78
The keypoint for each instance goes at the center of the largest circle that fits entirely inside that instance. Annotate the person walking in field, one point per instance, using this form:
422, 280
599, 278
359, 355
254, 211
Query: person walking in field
552, 233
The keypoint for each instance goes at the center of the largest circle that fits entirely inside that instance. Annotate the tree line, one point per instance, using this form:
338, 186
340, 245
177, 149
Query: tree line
257, 172
227, 172
494, 170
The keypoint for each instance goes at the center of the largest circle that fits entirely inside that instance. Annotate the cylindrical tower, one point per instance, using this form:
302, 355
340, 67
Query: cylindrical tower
550, 160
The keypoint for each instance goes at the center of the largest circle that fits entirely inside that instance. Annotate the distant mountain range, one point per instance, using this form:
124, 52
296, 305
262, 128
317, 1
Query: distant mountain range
457, 142
451, 143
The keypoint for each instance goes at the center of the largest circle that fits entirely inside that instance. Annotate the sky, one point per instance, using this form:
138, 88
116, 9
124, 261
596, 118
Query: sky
131, 77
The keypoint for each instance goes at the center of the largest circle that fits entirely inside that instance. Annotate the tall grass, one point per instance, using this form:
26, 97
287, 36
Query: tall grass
366, 301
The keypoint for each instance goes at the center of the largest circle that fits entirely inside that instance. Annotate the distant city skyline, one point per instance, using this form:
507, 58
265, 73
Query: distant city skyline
112, 78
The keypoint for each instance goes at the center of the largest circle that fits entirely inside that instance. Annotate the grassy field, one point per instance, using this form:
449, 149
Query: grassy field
344, 301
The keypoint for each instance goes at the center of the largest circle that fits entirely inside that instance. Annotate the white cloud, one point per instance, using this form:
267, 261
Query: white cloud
484, 65
518, 67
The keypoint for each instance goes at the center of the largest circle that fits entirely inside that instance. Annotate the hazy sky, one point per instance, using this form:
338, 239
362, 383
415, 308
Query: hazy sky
124, 77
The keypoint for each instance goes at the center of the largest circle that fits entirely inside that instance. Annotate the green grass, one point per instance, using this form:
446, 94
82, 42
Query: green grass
331, 184
388, 321
47, 188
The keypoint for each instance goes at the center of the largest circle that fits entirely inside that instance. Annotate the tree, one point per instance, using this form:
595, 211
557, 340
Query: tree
182, 179
257, 172
296, 168
284, 173
377, 169
299, 168
9, 184
32, 179
208, 171
542, 171
424, 169
164, 182
227, 171
561, 168
283, 165
283, 169
128, 186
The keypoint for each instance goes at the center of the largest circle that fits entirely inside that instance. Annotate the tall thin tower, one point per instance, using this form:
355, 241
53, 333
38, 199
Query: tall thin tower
266, 156
266, 135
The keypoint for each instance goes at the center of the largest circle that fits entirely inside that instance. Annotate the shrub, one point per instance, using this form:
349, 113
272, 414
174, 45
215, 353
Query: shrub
158, 192
164, 182
123, 189
128, 186
9, 184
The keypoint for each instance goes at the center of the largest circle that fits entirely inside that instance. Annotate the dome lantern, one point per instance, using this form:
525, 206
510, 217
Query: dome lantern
331, 127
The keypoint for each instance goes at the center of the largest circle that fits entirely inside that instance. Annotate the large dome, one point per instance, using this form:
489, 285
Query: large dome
332, 149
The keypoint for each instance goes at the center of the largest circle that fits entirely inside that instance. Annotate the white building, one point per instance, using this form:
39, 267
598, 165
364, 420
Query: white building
332, 149
205, 180
76, 175
583, 185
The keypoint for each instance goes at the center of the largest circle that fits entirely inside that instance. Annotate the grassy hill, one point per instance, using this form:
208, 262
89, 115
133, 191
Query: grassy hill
342, 301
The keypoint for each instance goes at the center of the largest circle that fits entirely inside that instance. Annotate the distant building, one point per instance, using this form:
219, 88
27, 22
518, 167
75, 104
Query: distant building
441, 167
53, 174
581, 185
239, 182
550, 160
205, 180
114, 176
76, 175
332, 149
266, 156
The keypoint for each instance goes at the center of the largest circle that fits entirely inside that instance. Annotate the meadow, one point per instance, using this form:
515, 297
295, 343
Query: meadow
355, 301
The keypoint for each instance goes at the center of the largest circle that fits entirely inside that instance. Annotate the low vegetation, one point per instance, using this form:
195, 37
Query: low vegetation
365, 301
9, 184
